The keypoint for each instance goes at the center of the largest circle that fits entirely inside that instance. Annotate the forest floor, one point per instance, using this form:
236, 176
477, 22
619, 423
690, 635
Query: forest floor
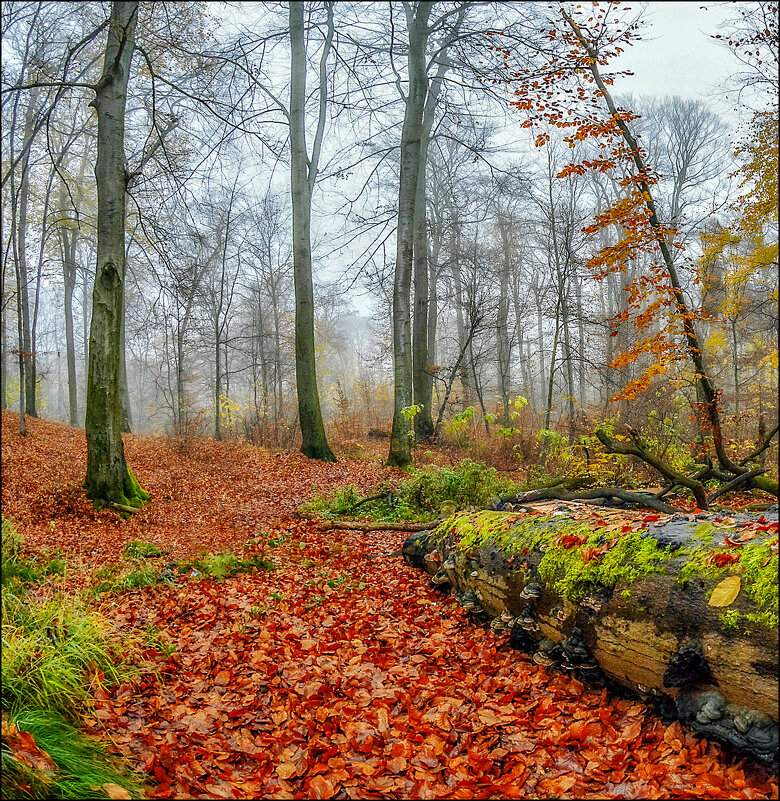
339, 674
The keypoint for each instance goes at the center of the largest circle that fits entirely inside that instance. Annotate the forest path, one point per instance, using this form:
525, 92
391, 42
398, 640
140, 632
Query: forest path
339, 674
343, 674
207, 496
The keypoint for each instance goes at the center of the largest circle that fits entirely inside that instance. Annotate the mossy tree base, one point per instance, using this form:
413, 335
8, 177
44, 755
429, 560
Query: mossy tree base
631, 607
116, 490
321, 452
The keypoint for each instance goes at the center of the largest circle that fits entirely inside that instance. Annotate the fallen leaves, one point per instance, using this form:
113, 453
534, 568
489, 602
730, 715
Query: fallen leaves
373, 686
24, 749
725, 592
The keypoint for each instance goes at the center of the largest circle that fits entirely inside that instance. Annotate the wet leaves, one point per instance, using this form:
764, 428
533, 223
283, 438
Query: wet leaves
340, 674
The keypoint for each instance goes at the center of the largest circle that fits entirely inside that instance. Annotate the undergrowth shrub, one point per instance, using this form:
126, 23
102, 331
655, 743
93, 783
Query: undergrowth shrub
426, 495
118, 578
223, 565
138, 549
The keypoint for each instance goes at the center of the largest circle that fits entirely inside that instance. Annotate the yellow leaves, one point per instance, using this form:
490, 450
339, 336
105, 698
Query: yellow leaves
715, 341
725, 593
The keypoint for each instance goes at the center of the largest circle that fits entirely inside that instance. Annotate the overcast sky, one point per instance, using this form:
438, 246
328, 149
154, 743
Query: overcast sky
677, 55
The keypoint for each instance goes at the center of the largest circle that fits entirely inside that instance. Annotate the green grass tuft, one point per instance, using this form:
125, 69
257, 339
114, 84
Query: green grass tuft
51, 650
138, 549
83, 765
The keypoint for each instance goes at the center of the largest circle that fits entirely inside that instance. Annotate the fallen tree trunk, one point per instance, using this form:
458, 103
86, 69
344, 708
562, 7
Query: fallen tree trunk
350, 525
607, 493
630, 603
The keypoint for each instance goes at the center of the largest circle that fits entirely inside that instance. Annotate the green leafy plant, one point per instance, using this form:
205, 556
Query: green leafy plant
138, 549
427, 494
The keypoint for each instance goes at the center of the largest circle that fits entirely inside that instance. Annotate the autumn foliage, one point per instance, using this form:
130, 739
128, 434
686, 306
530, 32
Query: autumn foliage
338, 675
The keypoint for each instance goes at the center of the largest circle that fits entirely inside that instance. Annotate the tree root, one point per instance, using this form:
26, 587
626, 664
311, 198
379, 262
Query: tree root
121, 507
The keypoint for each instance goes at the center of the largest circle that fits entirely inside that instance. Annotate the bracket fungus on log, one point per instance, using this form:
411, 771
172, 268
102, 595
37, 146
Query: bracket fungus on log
630, 604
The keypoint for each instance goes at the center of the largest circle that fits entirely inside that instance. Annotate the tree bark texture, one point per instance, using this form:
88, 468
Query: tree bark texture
315, 443
502, 321
26, 346
108, 479
69, 245
411, 141
635, 612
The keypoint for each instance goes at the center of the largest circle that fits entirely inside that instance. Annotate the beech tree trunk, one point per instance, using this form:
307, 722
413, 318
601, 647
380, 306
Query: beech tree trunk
635, 613
422, 338
400, 454
304, 170
421, 378
109, 479
69, 245
23, 299
502, 321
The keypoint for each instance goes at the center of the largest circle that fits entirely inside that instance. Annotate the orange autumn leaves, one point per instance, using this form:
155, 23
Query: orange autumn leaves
341, 674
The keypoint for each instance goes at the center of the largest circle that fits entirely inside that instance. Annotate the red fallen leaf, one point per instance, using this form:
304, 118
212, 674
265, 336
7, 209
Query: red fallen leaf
25, 750
674, 736
580, 729
397, 764
320, 787
723, 559
116, 792
632, 731
653, 518
570, 540
594, 553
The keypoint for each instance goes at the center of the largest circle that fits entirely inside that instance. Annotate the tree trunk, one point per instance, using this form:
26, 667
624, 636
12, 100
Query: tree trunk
422, 340
636, 611
217, 387
109, 479
124, 389
411, 142
460, 319
23, 299
3, 354
524, 346
540, 341
68, 243
502, 321
421, 378
303, 174
580, 343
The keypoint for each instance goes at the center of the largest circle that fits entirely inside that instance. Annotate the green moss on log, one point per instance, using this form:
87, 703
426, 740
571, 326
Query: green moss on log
572, 571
